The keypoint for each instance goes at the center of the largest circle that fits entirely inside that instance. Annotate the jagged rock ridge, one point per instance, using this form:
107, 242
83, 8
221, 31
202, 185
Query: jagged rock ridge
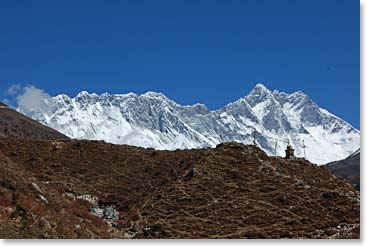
153, 120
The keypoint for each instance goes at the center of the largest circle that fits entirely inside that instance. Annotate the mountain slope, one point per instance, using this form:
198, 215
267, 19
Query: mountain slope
16, 125
30, 208
348, 168
231, 191
153, 120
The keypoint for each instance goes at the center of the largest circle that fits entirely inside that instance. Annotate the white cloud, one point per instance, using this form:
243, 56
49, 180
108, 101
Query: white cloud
30, 98
14, 89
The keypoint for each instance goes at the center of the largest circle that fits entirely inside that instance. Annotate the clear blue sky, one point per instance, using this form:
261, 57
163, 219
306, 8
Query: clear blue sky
211, 52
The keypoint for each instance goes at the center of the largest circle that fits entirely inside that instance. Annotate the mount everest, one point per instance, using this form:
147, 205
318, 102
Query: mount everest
153, 120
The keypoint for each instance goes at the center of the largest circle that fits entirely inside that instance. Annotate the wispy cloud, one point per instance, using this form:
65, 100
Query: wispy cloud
29, 98
13, 90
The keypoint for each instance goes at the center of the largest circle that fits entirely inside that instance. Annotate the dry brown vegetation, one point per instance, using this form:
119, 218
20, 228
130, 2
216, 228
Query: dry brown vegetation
16, 125
232, 191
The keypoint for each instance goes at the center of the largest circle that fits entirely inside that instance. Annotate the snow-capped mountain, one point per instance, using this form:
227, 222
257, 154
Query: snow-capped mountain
153, 120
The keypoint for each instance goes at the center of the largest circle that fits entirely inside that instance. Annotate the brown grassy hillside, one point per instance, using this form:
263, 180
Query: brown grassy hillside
232, 191
16, 125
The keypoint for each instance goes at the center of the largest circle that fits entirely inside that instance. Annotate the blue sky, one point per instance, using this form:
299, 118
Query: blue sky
211, 52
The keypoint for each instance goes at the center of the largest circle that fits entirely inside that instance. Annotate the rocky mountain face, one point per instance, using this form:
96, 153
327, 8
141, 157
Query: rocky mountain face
153, 120
16, 125
93, 189
348, 168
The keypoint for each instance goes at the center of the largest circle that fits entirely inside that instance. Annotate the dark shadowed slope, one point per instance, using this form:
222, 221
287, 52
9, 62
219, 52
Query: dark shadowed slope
349, 168
231, 191
16, 125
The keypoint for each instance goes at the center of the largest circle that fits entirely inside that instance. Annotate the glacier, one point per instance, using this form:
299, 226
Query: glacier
271, 119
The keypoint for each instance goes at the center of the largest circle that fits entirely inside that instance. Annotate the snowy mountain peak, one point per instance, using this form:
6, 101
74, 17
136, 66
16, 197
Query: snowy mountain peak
153, 94
259, 94
82, 94
62, 99
104, 95
62, 96
153, 120
261, 87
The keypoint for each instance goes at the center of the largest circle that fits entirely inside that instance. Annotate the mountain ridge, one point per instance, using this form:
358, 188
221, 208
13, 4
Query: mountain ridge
15, 125
348, 168
153, 120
